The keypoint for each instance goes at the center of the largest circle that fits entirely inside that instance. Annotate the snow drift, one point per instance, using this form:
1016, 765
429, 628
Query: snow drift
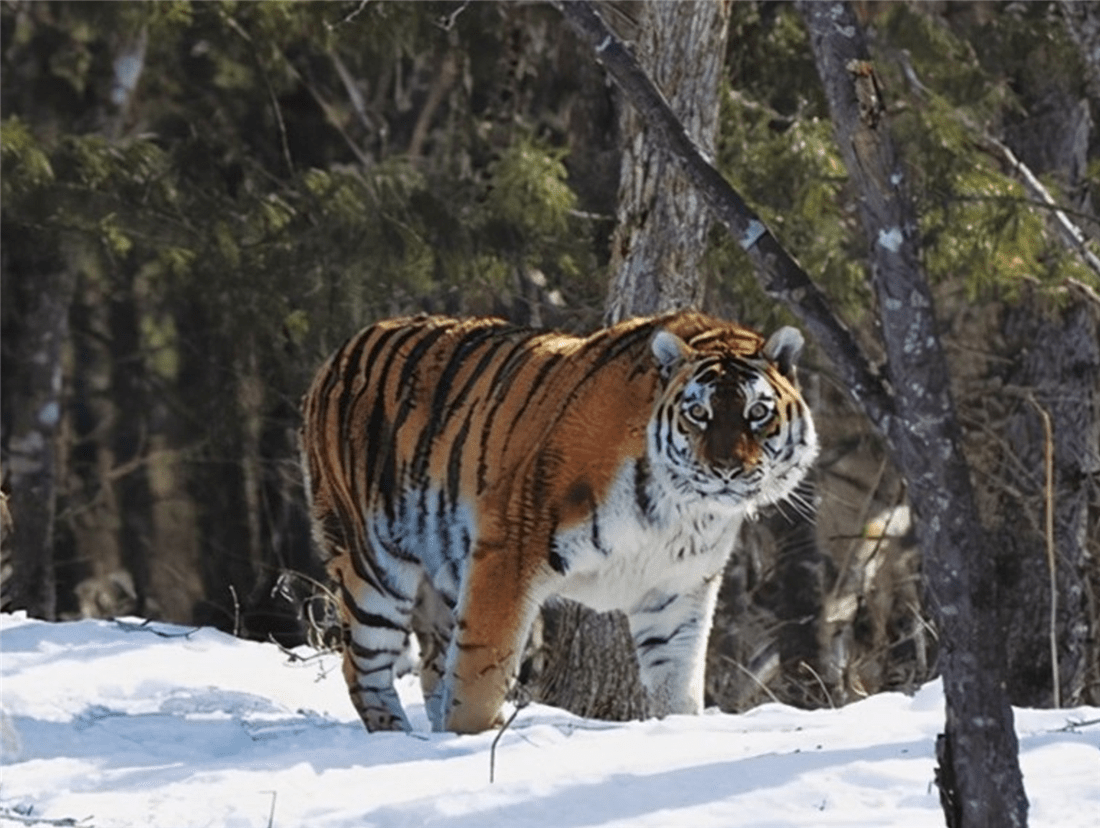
109, 724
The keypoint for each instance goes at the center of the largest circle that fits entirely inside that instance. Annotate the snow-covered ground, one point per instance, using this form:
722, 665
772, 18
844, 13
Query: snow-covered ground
111, 723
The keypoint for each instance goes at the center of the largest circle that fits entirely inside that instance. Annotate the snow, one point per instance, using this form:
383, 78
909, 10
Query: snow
126, 723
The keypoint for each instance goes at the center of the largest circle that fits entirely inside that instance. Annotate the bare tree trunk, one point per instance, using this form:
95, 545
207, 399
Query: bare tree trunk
41, 287
660, 237
662, 222
1049, 513
799, 565
589, 667
129, 442
1083, 24
6, 569
215, 475
979, 775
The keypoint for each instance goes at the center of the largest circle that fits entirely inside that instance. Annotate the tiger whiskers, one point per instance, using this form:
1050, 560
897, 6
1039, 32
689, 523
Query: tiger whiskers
801, 501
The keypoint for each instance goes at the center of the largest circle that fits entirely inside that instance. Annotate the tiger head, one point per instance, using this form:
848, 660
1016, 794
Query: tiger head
729, 424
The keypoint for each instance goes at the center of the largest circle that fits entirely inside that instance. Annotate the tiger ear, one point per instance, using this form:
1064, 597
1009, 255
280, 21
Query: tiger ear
783, 348
668, 351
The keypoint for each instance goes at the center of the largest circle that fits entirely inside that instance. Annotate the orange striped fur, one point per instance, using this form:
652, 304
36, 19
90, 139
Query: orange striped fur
462, 472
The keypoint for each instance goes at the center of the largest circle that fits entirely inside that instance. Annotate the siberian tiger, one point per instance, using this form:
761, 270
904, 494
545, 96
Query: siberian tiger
462, 472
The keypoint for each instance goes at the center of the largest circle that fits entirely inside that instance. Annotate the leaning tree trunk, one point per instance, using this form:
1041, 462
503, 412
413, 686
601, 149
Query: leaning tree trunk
979, 774
659, 241
980, 779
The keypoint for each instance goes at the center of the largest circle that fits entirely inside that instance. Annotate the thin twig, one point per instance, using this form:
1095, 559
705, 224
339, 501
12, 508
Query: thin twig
284, 143
820, 683
1073, 236
354, 13
145, 626
271, 814
236, 612
446, 22
752, 675
445, 75
864, 514
493, 747
1073, 727
1048, 467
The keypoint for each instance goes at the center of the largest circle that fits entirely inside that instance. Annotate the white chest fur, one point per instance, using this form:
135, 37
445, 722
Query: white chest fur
636, 548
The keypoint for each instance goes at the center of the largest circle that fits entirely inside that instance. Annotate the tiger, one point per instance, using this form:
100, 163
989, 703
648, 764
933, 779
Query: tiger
462, 472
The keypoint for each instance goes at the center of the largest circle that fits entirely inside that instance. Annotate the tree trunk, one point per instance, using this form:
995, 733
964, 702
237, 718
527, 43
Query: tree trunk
799, 565
662, 224
1083, 24
6, 568
660, 237
979, 775
1043, 591
41, 287
215, 476
129, 439
588, 664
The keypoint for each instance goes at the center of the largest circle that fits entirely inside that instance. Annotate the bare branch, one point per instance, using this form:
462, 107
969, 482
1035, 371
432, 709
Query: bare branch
1073, 236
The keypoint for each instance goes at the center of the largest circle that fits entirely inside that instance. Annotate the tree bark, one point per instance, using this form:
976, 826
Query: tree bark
1043, 567
215, 475
799, 566
588, 664
590, 667
1083, 25
662, 222
42, 289
979, 775
130, 434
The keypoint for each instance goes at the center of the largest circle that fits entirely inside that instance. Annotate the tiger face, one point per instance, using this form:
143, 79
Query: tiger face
729, 427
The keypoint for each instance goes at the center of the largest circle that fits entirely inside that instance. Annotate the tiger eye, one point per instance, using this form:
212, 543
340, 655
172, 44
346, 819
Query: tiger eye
696, 411
758, 411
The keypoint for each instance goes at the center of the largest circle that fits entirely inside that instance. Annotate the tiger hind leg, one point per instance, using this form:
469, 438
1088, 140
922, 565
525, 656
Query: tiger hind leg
378, 624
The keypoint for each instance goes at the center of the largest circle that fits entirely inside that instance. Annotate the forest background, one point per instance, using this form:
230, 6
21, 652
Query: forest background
200, 201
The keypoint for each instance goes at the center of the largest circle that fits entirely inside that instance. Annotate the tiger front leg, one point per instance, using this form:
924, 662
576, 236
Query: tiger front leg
670, 634
494, 616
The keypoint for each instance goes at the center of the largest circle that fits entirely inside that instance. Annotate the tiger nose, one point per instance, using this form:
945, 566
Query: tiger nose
747, 451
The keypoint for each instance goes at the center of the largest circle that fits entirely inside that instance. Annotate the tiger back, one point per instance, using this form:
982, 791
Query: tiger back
462, 472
